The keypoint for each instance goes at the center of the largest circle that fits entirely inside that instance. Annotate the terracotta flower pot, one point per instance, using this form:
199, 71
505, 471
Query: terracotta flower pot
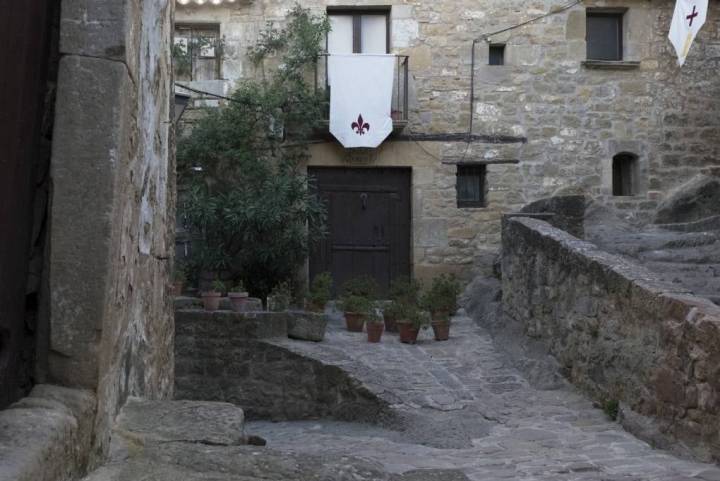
408, 332
211, 300
238, 300
441, 330
375, 331
354, 321
390, 323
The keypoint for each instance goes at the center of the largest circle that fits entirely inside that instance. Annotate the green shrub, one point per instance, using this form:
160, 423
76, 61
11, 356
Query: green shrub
238, 287
355, 303
364, 286
611, 407
281, 296
405, 290
320, 290
218, 286
442, 295
245, 197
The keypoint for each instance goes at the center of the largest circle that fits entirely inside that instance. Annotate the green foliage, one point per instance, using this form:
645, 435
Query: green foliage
320, 289
246, 197
611, 407
356, 303
179, 274
281, 296
238, 287
419, 318
405, 290
373, 316
218, 286
364, 286
442, 295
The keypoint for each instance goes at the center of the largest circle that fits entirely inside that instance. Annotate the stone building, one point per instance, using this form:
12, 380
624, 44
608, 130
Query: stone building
588, 99
86, 244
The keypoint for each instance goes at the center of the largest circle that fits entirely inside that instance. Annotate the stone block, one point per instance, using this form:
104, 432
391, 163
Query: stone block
306, 326
431, 233
90, 142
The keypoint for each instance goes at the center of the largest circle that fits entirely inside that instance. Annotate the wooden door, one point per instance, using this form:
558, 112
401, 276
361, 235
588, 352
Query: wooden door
368, 224
24, 34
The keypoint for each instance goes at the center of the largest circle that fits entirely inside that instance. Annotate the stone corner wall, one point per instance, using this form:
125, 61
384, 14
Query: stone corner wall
619, 334
112, 214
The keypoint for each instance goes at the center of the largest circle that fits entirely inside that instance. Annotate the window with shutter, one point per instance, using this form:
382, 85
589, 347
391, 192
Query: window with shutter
604, 35
470, 185
358, 31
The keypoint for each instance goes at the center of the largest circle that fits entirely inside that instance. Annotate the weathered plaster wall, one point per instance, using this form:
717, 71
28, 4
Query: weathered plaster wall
575, 119
618, 332
112, 215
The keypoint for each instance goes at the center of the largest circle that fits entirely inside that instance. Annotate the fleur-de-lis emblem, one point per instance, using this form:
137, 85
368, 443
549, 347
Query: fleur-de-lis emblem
360, 127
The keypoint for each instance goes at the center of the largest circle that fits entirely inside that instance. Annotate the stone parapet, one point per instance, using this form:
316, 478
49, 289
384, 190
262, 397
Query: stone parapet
619, 333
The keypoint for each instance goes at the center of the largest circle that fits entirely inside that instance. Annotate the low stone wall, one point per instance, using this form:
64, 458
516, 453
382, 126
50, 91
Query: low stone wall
619, 334
47, 435
230, 357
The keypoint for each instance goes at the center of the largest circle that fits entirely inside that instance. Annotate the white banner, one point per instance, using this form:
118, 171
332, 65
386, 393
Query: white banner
687, 21
361, 98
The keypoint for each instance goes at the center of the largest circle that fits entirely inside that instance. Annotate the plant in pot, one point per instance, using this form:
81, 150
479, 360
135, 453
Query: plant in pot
211, 298
441, 301
356, 309
375, 325
319, 293
411, 320
402, 291
238, 297
179, 279
357, 300
280, 298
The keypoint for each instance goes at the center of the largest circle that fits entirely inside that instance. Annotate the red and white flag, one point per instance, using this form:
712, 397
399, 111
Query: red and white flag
687, 21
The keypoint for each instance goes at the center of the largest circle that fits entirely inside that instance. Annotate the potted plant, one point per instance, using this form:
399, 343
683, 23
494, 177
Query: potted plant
280, 298
441, 301
356, 309
211, 298
402, 291
357, 301
238, 297
319, 293
411, 321
179, 279
375, 326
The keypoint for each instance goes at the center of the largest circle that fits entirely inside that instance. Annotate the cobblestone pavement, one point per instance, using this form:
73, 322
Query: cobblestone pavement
466, 412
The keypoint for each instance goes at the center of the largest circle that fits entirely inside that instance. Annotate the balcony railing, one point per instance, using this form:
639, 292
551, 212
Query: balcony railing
400, 100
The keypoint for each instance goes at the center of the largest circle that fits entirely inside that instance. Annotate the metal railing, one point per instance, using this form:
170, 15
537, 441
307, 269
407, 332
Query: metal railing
401, 88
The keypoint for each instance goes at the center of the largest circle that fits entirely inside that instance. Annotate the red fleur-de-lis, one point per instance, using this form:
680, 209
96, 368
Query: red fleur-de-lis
360, 127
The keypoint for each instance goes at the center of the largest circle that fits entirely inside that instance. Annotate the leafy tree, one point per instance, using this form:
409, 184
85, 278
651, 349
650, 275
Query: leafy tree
246, 198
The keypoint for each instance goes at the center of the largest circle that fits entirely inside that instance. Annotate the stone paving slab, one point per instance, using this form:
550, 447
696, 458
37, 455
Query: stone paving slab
523, 434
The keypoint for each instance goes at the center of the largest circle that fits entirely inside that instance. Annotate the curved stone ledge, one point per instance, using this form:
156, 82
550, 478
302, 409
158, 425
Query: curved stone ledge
619, 332
234, 357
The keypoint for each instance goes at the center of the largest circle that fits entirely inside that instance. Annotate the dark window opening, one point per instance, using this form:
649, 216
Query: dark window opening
624, 174
470, 185
197, 52
604, 35
497, 54
359, 30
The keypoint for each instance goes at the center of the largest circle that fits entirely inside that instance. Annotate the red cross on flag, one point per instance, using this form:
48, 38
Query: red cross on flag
687, 21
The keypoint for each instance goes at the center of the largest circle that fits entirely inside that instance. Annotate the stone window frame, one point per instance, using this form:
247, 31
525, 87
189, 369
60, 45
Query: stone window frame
499, 53
626, 173
635, 148
472, 169
621, 64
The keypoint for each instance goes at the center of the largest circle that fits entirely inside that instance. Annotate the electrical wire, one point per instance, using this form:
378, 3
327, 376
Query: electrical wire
486, 37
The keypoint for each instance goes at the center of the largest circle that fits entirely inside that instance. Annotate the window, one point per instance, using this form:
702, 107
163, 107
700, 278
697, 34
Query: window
196, 52
470, 185
624, 169
358, 31
497, 54
604, 35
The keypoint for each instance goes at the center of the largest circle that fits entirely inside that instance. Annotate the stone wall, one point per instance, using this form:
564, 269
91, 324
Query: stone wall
112, 215
230, 357
618, 333
561, 120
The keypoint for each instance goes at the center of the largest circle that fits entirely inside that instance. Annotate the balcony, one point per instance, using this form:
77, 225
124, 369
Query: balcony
400, 100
